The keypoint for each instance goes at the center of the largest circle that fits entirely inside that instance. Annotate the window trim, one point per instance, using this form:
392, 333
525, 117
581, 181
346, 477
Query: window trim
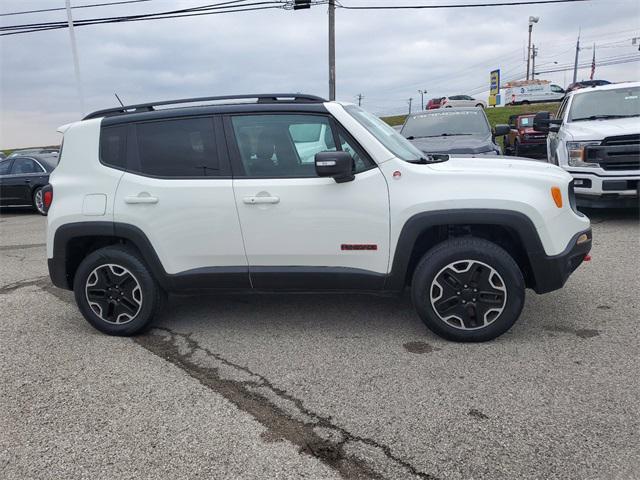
237, 165
133, 156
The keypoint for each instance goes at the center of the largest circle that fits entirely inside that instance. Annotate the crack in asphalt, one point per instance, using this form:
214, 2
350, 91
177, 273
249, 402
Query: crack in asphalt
39, 282
280, 424
21, 246
165, 343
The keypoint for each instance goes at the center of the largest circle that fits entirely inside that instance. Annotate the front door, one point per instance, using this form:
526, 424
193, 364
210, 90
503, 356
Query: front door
303, 232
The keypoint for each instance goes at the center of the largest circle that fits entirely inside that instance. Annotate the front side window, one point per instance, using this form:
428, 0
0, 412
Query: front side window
281, 146
176, 148
386, 135
603, 104
22, 166
444, 123
556, 89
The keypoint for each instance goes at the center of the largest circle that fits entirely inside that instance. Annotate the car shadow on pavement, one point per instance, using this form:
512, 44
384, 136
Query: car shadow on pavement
624, 215
352, 315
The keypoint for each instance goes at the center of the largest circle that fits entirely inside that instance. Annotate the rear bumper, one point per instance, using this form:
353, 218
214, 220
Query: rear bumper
552, 272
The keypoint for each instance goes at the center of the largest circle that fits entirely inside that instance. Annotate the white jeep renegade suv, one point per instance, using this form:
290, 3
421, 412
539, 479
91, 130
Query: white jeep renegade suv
291, 193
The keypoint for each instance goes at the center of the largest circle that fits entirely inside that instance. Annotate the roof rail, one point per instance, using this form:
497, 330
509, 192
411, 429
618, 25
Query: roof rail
261, 98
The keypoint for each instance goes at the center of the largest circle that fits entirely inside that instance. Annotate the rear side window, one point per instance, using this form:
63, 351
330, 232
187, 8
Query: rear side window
177, 148
113, 146
25, 165
4, 167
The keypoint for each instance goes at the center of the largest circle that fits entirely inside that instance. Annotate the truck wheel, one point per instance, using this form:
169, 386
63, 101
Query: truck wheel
468, 290
524, 102
516, 149
115, 291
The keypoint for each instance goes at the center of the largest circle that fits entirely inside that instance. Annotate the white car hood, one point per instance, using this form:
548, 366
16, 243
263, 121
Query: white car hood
501, 165
600, 129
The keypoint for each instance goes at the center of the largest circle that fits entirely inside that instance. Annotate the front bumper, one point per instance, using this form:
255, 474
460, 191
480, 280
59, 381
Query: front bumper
552, 272
594, 190
533, 149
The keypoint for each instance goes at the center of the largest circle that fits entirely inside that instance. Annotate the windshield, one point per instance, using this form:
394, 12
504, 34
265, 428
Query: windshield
392, 140
622, 102
461, 122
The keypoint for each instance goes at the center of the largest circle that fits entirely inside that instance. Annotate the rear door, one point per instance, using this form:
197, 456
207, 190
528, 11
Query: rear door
301, 231
177, 189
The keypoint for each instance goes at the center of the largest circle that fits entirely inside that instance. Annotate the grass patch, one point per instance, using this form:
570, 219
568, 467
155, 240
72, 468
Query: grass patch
495, 115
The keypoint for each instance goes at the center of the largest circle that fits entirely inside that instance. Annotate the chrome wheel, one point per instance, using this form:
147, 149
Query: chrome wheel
114, 294
38, 201
468, 294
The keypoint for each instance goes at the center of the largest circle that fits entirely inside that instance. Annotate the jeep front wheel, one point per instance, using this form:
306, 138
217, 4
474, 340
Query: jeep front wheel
468, 290
115, 291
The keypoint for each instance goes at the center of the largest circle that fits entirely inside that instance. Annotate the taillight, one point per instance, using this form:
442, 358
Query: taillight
47, 197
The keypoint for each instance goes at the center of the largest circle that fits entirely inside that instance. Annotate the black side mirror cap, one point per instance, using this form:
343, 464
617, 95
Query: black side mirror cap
543, 122
501, 130
338, 165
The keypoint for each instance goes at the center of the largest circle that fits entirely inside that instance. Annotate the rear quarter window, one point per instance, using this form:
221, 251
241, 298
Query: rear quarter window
113, 146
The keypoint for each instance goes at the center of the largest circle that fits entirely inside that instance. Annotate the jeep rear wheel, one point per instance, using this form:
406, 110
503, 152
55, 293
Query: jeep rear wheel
468, 290
115, 291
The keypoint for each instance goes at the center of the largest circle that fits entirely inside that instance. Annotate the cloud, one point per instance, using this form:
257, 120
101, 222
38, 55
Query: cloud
385, 55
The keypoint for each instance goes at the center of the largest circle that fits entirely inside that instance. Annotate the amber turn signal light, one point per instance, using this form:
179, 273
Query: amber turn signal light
557, 196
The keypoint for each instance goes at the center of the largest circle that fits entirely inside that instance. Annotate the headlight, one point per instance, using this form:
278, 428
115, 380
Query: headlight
576, 155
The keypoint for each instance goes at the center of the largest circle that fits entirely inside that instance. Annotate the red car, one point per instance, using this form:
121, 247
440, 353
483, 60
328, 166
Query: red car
523, 140
434, 103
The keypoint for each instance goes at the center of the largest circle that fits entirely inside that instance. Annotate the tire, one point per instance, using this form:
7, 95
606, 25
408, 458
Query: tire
38, 201
497, 275
137, 298
516, 149
480, 105
525, 102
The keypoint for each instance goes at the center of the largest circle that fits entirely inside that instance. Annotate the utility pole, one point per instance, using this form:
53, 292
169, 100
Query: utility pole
360, 97
410, 101
422, 92
532, 20
74, 52
575, 64
332, 50
534, 53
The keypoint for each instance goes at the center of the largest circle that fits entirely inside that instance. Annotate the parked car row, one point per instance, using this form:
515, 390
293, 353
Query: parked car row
455, 101
22, 178
595, 137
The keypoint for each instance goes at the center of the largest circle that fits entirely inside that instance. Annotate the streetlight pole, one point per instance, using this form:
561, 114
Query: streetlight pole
422, 92
74, 52
532, 20
332, 50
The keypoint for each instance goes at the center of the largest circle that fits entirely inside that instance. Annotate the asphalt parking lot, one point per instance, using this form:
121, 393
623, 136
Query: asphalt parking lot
321, 387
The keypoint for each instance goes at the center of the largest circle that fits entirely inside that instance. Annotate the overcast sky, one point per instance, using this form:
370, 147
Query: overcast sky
385, 55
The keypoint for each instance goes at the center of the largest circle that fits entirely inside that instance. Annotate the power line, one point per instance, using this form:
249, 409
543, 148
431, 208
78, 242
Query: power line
42, 10
462, 5
214, 9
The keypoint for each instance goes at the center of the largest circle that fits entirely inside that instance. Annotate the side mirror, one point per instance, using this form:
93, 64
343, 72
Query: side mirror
543, 122
501, 130
338, 165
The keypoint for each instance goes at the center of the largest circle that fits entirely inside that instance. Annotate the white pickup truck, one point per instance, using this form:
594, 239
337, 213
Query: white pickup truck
596, 138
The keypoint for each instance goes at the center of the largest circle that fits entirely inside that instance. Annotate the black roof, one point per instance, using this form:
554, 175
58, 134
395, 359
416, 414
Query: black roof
230, 103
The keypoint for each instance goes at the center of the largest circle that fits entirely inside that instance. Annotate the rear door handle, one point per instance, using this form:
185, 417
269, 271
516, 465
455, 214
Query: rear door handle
148, 199
260, 200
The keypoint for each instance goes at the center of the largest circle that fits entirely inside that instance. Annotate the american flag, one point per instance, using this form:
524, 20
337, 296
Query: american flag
593, 63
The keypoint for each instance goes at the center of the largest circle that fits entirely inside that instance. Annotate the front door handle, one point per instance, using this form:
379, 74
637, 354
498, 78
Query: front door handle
260, 200
141, 198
